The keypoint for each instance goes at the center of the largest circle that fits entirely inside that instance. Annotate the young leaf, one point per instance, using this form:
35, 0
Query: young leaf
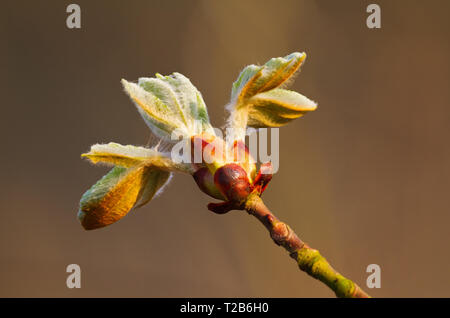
244, 82
277, 107
113, 196
130, 156
116, 154
256, 79
156, 180
256, 100
168, 103
157, 115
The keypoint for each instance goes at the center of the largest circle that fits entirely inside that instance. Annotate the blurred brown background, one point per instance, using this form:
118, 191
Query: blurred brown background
364, 179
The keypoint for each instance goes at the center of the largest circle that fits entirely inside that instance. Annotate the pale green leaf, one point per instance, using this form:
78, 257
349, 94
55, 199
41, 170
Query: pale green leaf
169, 103
277, 107
155, 183
113, 196
256, 79
131, 156
257, 100
245, 79
158, 116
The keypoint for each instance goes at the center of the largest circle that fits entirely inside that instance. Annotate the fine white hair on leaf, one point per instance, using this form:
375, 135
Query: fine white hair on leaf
128, 150
168, 104
163, 187
162, 146
237, 120
159, 117
156, 183
257, 99
131, 156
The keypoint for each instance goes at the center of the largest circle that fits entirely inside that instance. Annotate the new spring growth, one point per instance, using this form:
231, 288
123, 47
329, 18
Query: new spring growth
172, 106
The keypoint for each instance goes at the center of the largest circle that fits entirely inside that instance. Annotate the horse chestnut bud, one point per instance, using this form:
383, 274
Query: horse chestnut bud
232, 181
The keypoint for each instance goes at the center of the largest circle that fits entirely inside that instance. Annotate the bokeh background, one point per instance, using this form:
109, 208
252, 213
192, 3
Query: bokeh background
364, 179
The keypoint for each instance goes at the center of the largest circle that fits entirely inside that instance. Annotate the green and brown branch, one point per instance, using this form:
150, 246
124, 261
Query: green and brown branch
308, 259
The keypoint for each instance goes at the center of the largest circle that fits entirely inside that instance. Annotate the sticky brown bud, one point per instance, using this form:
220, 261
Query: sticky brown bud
233, 183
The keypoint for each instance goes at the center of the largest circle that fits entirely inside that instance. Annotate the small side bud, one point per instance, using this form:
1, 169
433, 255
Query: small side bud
263, 178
